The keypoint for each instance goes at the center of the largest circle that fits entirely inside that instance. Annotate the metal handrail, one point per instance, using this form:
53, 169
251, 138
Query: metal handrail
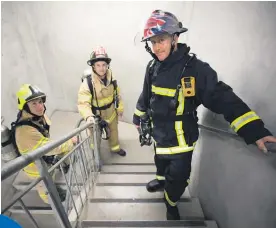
80, 156
19, 163
271, 147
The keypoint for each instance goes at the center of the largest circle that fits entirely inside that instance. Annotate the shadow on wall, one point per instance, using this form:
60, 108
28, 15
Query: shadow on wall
235, 183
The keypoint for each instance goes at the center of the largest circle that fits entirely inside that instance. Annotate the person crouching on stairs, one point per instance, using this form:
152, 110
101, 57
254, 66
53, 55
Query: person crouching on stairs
32, 130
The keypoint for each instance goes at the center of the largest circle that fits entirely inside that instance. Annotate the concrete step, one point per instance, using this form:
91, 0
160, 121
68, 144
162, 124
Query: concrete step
33, 201
125, 178
127, 192
129, 141
44, 218
136, 168
156, 224
140, 209
41, 212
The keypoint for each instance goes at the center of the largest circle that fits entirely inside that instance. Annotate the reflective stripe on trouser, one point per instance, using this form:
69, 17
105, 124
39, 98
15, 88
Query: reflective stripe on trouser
160, 177
41, 189
176, 172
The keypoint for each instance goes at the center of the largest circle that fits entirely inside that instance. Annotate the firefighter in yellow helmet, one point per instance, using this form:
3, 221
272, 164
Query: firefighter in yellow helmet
31, 130
99, 96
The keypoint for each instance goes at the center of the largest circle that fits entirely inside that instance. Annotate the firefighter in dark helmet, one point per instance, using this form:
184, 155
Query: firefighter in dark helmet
175, 84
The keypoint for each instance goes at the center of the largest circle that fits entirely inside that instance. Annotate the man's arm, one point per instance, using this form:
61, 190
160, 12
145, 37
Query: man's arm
220, 98
84, 100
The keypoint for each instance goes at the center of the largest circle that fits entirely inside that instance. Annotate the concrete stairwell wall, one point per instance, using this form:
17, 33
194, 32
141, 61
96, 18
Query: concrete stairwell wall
236, 184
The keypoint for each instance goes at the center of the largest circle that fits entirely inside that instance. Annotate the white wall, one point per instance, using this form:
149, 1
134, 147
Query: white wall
48, 43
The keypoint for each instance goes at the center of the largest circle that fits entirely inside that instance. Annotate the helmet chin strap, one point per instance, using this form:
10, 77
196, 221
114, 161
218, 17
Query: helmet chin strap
172, 45
148, 49
27, 109
97, 73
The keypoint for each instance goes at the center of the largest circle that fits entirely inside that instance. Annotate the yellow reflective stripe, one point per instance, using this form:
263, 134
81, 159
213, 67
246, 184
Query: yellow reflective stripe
160, 177
173, 204
180, 133
44, 196
84, 97
243, 120
114, 148
32, 173
85, 113
39, 143
178, 124
111, 118
138, 112
174, 150
181, 100
163, 91
103, 102
64, 147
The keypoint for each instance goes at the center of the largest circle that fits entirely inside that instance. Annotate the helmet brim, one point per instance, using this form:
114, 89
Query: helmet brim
90, 62
37, 96
181, 30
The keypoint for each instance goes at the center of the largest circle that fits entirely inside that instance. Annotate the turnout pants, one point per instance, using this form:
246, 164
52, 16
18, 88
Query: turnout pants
175, 170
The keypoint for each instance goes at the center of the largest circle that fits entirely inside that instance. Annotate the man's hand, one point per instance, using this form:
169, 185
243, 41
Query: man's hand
261, 142
90, 119
74, 140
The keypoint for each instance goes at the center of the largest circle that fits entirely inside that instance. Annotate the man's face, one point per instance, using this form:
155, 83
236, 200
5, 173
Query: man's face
36, 107
161, 46
100, 67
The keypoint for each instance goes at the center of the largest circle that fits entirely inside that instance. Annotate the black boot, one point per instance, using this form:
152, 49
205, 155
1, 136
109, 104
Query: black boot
66, 168
155, 185
172, 212
121, 152
62, 193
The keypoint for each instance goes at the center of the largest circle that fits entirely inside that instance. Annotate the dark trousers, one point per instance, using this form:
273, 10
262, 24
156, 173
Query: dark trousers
176, 169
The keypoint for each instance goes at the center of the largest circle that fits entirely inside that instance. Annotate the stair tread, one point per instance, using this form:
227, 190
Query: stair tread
125, 178
32, 199
129, 168
132, 192
43, 218
141, 211
143, 223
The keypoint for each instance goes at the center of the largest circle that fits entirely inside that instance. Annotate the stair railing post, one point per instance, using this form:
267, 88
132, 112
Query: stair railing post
54, 198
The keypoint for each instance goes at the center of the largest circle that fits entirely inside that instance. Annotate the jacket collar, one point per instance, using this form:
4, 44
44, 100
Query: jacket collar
28, 116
